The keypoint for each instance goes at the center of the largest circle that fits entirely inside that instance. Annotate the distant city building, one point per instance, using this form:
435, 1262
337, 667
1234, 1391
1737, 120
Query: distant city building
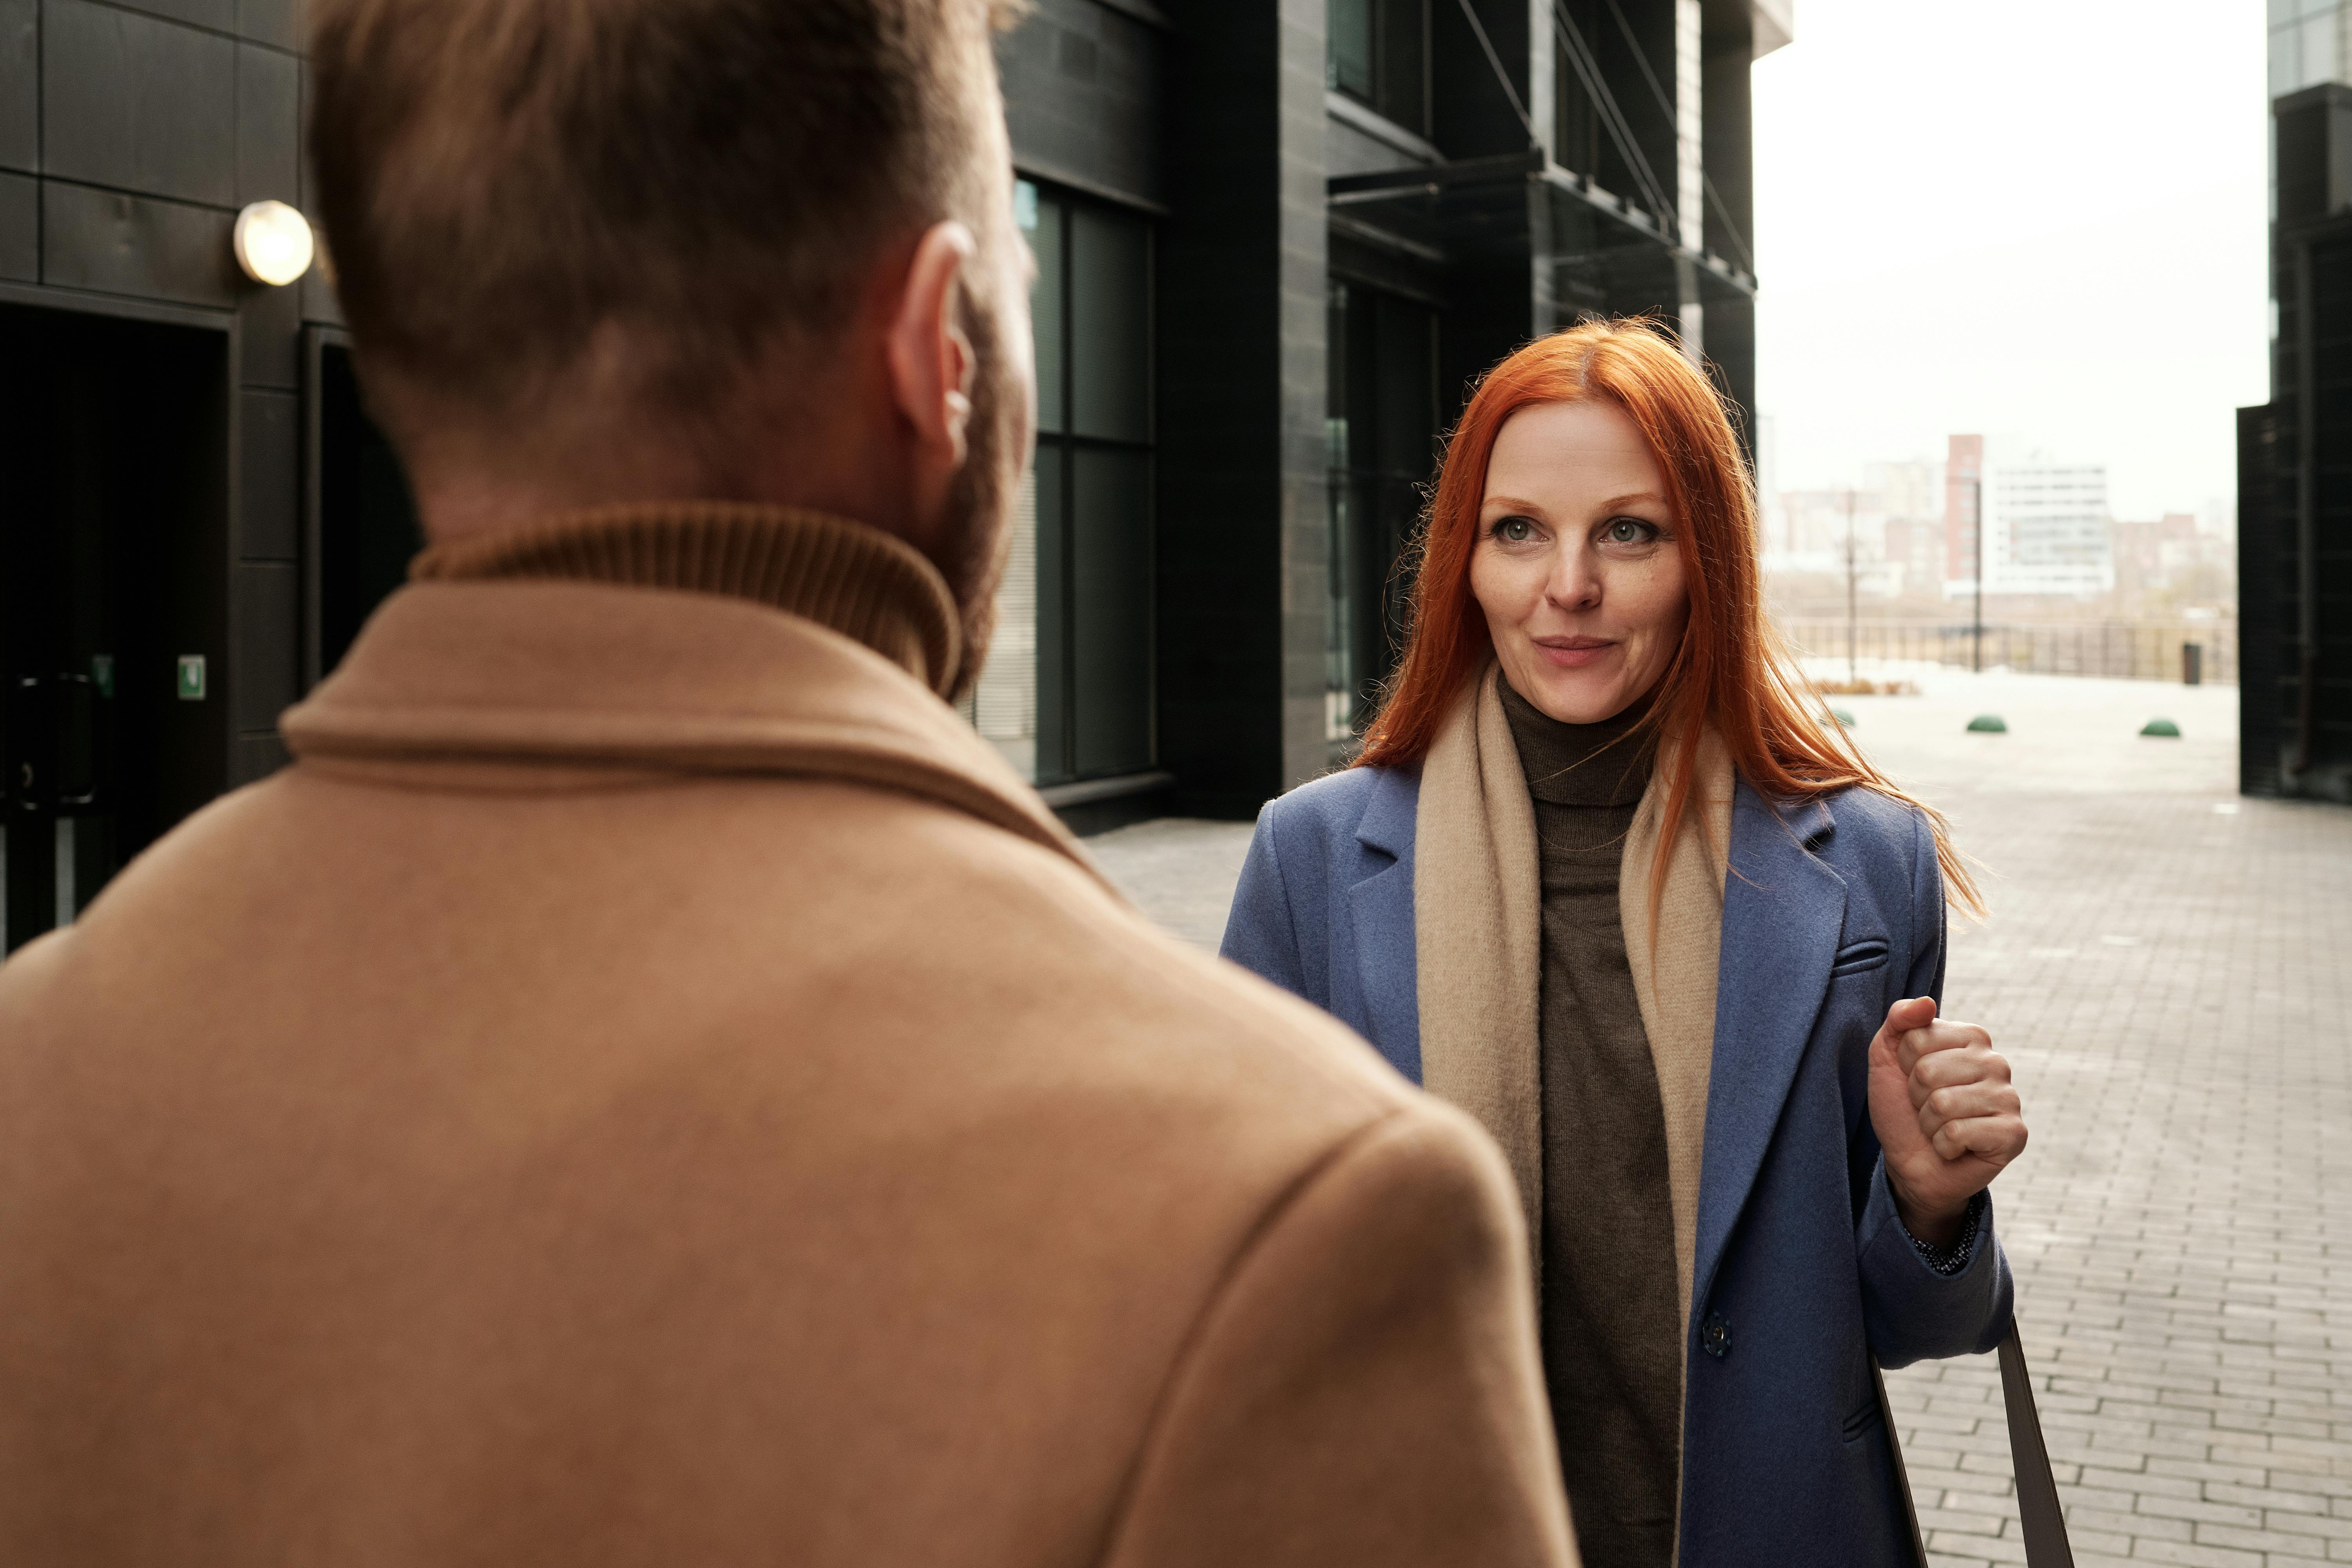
2151, 554
1815, 525
1911, 491
1771, 520
2046, 526
1892, 524
1823, 526
1818, 519
1915, 547
1963, 510
2044, 522
2219, 518
1911, 498
2294, 504
2311, 43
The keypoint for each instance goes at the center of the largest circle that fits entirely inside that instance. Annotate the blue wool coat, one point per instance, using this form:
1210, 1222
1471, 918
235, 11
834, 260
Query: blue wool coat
1832, 911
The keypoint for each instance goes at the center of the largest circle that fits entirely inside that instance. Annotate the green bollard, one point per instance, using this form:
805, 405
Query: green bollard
2163, 727
1988, 725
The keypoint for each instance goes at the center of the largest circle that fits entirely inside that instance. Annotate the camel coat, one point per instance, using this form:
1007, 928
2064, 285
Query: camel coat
649, 1086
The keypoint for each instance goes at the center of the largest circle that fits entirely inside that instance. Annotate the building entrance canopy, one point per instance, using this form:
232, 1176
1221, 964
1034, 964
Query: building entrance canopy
1523, 203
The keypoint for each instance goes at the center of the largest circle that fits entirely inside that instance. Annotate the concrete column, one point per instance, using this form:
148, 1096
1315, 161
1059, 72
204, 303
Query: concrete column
1690, 178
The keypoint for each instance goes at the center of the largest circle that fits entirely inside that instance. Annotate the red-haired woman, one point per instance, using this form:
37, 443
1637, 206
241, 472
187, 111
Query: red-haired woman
1605, 877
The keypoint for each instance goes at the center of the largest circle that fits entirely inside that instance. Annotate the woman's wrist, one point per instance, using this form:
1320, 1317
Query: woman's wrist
1939, 1226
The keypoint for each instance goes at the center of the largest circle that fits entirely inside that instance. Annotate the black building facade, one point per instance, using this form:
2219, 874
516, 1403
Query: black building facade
189, 472
2295, 473
1276, 238
1348, 209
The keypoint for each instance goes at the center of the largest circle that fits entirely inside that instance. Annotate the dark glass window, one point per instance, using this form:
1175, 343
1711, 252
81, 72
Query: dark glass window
1382, 432
1110, 326
1068, 690
1109, 610
1377, 52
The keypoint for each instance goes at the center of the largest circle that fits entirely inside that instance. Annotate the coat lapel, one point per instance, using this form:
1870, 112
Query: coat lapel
1783, 913
1381, 909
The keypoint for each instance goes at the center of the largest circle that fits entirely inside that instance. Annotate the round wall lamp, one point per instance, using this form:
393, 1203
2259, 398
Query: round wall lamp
273, 243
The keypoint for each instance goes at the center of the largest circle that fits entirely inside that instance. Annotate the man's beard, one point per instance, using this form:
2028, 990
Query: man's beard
975, 542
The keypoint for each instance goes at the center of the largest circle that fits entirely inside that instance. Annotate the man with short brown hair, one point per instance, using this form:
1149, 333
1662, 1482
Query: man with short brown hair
648, 1086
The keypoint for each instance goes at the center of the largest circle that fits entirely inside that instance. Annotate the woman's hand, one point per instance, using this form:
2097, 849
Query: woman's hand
1945, 1114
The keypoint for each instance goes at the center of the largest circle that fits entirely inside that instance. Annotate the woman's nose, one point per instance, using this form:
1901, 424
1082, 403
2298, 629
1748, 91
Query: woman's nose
1572, 585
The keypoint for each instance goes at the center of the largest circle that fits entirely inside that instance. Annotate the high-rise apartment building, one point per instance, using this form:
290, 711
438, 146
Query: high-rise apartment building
2046, 526
2295, 478
2044, 522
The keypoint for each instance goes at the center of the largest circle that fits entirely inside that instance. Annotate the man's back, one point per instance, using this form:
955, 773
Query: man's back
647, 1087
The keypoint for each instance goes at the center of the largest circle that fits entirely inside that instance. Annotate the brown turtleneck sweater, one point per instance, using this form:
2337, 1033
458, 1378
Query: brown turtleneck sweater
1612, 1354
867, 585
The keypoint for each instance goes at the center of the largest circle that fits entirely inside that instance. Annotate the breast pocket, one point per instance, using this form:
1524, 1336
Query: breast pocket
1861, 957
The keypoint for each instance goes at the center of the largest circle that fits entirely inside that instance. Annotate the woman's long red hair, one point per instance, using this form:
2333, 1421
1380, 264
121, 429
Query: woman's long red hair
1732, 672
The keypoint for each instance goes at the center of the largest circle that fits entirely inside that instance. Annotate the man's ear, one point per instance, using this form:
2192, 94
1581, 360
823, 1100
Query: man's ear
931, 362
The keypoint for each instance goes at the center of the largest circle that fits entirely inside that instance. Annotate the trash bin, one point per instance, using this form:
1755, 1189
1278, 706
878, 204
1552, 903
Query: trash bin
2192, 664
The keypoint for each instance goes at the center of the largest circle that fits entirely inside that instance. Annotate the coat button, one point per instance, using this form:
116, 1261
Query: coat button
1714, 1336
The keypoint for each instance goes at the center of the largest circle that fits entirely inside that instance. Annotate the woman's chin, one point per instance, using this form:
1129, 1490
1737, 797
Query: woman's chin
1576, 695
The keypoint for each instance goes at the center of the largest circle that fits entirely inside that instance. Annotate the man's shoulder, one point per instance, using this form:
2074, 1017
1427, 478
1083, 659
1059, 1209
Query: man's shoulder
828, 918
1084, 950
1038, 997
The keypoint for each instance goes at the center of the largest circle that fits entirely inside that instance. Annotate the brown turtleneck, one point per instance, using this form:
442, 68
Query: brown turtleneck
867, 585
1612, 1354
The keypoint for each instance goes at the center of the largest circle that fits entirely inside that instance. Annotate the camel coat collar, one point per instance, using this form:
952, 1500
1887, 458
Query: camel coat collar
1478, 913
694, 639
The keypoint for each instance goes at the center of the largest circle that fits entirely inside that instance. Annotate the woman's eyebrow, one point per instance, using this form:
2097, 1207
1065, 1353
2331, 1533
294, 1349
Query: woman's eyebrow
1520, 503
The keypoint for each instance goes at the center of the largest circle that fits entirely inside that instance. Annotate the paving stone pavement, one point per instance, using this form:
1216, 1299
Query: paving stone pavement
2169, 968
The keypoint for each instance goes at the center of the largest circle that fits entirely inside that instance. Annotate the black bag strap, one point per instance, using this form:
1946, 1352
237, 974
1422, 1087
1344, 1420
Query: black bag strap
2043, 1521
1902, 1475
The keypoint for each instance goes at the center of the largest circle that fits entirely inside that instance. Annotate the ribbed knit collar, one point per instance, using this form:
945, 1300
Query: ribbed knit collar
843, 576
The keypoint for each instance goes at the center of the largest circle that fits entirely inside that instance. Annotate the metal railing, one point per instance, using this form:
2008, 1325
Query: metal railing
2128, 650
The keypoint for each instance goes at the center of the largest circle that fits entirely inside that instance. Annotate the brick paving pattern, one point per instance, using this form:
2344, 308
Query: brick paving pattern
2170, 970
2167, 967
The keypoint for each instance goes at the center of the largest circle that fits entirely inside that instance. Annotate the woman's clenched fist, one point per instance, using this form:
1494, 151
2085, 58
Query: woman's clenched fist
1945, 1114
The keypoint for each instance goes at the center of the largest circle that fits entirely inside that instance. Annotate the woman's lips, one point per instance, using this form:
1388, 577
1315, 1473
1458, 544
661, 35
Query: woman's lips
1572, 653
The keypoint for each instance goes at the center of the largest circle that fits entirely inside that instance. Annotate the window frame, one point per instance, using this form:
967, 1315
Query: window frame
1060, 743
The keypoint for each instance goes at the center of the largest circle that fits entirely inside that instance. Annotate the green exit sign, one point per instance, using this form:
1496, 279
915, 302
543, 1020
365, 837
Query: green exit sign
192, 678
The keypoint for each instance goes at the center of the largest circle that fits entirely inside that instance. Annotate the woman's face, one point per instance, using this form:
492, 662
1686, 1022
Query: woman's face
1576, 565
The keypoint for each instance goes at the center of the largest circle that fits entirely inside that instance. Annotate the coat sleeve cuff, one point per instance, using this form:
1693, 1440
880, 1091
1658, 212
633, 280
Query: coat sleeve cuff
1951, 1260
1916, 1310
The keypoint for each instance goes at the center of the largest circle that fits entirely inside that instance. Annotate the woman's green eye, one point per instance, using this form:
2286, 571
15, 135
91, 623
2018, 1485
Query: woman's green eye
1629, 531
1518, 530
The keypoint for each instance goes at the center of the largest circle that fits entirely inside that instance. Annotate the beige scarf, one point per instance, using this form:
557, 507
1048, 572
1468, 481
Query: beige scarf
1478, 915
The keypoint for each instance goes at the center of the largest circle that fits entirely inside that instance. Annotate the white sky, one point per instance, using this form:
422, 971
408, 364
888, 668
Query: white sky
2041, 218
